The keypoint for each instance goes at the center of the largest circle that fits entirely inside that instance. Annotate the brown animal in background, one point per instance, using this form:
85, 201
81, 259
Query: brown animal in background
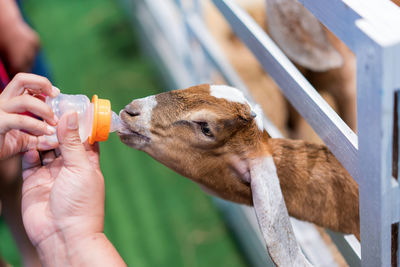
324, 60
211, 135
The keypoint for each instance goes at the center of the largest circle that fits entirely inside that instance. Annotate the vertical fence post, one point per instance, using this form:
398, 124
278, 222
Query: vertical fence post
375, 124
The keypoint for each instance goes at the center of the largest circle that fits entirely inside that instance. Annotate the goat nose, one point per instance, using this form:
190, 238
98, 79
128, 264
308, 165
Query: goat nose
132, 113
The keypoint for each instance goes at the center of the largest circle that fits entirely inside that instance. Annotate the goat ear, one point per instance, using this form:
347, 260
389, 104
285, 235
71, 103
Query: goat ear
272, 215
308, 46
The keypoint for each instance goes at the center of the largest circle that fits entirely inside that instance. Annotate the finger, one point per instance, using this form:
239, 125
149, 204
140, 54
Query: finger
71, 147
28, 142
30, 160
40, 97
47, 157
26, 123
29, 103
46, 142
33, 83
57, 152
93, 152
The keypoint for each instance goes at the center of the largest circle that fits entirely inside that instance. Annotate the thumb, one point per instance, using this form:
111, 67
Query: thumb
71, 147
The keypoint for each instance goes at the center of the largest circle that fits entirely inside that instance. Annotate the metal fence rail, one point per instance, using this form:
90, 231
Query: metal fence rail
371, 29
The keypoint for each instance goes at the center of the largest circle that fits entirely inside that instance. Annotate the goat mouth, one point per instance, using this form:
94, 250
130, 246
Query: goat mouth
128, 133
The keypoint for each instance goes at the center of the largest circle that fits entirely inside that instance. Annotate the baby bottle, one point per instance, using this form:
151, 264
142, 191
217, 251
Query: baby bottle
96, 119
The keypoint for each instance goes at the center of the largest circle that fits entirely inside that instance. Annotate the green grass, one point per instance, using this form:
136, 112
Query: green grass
153, 216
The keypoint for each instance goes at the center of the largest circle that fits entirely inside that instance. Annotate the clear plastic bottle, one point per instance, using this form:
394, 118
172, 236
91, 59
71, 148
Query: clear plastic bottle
96, 119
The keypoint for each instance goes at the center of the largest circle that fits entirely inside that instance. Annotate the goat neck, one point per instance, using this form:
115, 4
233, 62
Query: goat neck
315, 186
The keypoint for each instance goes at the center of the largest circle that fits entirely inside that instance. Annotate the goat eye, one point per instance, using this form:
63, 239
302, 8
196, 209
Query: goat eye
205, 129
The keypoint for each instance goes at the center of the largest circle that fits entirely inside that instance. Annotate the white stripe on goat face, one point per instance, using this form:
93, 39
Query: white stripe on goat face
229, 93
234, 95
145, 106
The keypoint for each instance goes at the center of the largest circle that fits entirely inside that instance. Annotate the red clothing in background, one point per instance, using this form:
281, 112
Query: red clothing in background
3, 77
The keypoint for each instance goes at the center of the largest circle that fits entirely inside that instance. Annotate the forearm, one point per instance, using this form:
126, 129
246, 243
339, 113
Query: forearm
93, 250
9, 17
9, 13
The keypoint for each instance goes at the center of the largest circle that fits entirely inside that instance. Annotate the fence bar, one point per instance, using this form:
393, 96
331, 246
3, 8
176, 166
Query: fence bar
348, 246
395, 201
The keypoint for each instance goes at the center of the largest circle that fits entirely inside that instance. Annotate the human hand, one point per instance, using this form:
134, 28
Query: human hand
63, 201
19, 44
20, 133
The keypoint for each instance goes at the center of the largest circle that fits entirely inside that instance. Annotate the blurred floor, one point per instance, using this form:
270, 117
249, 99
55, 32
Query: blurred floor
153, 216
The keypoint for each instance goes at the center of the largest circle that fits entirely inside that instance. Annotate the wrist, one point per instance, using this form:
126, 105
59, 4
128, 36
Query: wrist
53, 251
62, 249
57, 248
82, 249
74, 229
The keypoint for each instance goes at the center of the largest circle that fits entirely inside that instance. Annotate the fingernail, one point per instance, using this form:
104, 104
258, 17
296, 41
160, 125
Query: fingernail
56, 91
53, 121
72, 122
51, 130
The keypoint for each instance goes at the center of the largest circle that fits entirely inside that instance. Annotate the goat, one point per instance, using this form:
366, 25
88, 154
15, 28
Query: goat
212, 135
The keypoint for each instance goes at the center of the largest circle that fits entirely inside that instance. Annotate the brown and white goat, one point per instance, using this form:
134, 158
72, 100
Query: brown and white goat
213, 136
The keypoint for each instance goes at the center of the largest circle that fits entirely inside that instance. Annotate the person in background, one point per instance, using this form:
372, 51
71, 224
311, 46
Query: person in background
19, 45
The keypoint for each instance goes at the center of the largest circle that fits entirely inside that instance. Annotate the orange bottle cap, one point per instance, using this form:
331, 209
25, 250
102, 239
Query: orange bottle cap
101, 120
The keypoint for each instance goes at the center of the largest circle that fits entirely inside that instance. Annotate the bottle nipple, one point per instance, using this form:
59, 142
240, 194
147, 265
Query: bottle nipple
116, 122
102, 122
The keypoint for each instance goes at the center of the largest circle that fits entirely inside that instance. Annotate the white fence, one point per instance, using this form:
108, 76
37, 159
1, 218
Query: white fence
175, 34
